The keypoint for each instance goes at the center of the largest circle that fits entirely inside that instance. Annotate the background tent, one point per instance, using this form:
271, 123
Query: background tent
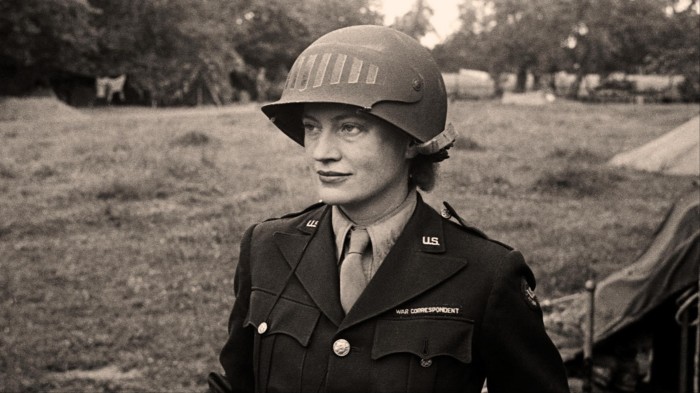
676, 152
641, 298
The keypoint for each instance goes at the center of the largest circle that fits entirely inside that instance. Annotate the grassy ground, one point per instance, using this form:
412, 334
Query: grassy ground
119, 231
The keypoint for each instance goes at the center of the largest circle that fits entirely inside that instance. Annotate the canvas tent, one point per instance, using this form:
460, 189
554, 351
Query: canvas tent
468, 84
676, 152
635, 308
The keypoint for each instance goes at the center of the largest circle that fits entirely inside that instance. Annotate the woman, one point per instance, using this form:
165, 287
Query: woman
372, 290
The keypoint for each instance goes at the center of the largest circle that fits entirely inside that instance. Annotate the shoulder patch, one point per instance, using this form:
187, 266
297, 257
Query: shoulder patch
529, 295
448, 212
299, 213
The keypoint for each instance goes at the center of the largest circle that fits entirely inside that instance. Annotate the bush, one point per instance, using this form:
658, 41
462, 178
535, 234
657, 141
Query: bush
44, 172
578, 181
7, 172
132, 188
690, 88
192, 138
468, 143
617, 84
578, 154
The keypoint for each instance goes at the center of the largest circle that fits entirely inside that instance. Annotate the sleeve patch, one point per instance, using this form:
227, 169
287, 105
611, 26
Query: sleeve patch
529, 295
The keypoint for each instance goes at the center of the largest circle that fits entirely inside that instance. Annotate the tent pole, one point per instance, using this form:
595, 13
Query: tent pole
683, 375
696, 360
588, 339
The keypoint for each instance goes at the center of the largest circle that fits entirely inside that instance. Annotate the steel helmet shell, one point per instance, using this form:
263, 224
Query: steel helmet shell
382, 71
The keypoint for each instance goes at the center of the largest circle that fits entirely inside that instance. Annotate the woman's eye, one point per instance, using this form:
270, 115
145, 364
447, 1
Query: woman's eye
310, 128
350, 129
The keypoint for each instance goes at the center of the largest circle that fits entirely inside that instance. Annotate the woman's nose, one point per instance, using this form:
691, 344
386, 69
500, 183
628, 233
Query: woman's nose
324, 148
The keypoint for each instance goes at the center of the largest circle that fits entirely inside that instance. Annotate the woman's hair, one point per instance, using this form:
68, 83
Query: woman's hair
423, 169
422, 173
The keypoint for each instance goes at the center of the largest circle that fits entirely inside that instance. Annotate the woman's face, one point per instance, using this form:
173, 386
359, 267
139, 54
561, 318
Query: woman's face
359, 162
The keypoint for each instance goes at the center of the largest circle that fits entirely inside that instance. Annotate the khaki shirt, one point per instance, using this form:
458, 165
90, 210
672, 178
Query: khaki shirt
382, 233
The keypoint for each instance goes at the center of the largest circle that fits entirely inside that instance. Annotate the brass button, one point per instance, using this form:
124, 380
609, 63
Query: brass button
262, 328
417, 84
341, 347
426, 362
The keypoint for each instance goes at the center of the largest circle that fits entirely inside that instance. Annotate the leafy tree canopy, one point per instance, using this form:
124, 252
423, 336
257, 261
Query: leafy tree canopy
580, 36
168, 46
49, 33
416, 22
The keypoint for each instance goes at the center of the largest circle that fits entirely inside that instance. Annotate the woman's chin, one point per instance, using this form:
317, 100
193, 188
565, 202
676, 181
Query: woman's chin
331, 198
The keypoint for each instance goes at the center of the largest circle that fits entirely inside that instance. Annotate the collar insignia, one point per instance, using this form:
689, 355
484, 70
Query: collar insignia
430, 240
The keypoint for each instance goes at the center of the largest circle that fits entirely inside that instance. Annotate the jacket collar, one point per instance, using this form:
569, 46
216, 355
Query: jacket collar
416, 263
317, 270
413, 266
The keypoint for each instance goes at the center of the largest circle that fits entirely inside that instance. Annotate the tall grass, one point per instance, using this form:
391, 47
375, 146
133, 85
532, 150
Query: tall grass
119, 234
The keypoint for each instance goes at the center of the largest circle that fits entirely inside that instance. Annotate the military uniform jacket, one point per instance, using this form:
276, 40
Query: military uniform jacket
446, 309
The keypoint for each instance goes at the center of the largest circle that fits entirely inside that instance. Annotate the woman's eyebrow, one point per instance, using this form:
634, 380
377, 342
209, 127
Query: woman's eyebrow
335, 119
344, 116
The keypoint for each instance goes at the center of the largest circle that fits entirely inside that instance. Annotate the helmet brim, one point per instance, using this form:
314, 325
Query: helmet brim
382, 71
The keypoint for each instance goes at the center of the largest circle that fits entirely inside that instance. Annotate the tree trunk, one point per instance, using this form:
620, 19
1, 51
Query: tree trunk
575, 86
213, 93
553, 82
521, 81
536, 81
497, 86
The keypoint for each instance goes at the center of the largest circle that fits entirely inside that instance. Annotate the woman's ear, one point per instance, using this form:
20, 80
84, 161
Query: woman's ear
412, 149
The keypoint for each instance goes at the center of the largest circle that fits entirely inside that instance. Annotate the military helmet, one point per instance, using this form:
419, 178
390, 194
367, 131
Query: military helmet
378, 69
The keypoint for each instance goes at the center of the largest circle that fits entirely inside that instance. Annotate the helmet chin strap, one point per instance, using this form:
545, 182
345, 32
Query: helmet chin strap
440, 141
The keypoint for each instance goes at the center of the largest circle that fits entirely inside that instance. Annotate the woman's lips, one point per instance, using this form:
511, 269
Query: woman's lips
332, 177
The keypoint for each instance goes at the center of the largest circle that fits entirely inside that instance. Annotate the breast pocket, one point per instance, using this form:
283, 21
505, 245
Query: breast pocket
426, 345
284, 332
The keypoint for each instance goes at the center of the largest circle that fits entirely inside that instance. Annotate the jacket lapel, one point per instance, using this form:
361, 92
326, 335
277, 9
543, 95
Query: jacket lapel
415, 264
317, 270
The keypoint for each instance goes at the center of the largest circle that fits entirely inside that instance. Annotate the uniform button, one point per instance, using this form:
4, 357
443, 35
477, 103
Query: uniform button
262, 328
341, 347
426, 362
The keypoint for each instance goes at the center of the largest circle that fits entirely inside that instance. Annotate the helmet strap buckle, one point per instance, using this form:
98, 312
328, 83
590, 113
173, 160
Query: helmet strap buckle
440, 141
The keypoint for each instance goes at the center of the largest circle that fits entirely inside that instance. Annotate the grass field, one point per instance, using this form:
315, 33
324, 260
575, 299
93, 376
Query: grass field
119, 230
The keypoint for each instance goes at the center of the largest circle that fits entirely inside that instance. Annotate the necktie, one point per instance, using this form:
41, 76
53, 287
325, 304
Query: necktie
352, 276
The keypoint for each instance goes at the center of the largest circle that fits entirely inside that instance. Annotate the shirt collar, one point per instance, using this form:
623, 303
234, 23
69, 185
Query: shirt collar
382, 233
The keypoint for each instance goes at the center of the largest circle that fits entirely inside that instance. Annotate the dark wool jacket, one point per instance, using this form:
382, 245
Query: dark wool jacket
446, 309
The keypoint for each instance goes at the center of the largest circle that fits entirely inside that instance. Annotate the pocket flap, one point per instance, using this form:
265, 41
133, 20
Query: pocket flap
289, 317
424, 337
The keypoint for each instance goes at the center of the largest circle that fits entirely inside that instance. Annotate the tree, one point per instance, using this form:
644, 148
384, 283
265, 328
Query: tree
416, 22
678, 50
169, 49
581, 36
42, 36
274, 32
613, 35
519, 36
324, 16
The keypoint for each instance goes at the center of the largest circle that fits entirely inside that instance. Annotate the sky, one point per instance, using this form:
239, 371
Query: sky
445, 17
